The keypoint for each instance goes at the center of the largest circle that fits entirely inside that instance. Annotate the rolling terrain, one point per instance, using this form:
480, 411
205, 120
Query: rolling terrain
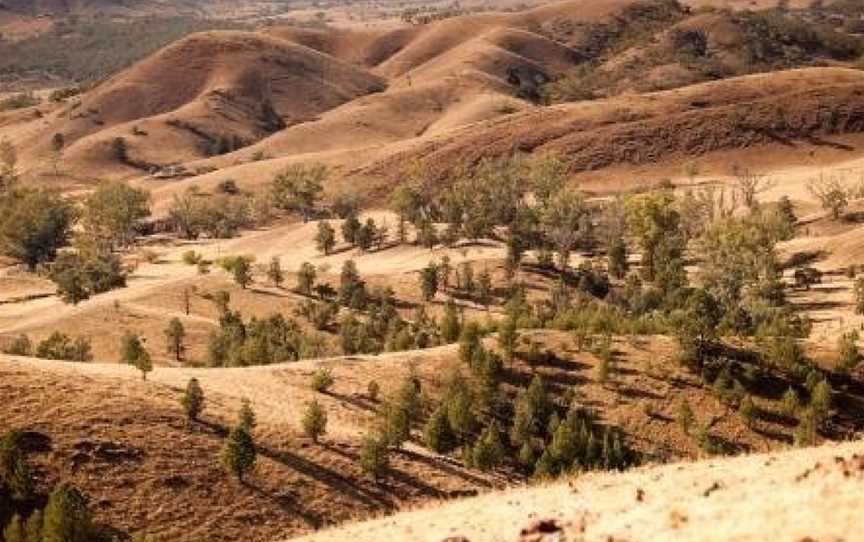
649, 98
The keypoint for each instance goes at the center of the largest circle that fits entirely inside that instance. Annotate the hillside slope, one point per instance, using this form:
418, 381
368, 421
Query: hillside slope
809, 494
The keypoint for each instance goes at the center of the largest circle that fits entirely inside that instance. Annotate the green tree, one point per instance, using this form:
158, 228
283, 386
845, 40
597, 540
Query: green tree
81, 275
132, 352
314, 421
374, 458
366, 235
238, 454
656, 223
489, 450
246, 416
697, 327
350, 229
15, 474
240, 268
450, 324
175, 338
351, 286
193, 400
299, 187
564, 223
618, 258
275, 273
59, 346
34, 224
429, 281
306, 278
112, 215
322, 380
66, 518
437, 433
325, 239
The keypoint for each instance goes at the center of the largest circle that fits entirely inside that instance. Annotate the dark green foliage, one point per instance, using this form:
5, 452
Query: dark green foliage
298, 188
275, 273
352, 289
20, 346
59, 346
238, 455
240, 268
350, 228
15, 475
193, 400
34, 224
322, 380
437, 434
257, 342
133, 352
374, 458
488, 451
79, 276
246, 416
325, 239
175, 336
314, 421
451, 327
618, 258
306, 278
113, 214
66, 518
429, 281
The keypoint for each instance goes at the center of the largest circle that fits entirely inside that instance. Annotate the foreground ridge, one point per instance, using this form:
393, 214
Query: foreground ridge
807, 494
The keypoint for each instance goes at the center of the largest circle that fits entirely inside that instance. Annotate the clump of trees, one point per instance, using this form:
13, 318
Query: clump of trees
57, 346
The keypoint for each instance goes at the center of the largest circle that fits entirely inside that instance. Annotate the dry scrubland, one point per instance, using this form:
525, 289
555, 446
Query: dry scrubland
651, 211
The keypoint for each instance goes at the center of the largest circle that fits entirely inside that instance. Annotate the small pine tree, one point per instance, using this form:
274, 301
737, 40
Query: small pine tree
66, 518
322, 380
429, 281
374, 458
15, 474
350, 228
450, 326
437, 433
246, 416
489, 450
306, 278
484, 288
132, 352
314, 421
275, 274
325, 239
175, 335
238, 454
193, 400
618, 258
